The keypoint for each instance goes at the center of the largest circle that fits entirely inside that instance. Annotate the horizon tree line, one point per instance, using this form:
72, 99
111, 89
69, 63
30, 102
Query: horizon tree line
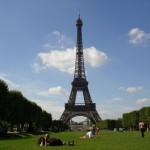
129, 121
17, 111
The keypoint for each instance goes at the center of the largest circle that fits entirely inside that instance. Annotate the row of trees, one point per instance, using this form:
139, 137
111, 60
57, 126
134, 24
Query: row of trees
110, 124
128, 121
131, 119
17, 111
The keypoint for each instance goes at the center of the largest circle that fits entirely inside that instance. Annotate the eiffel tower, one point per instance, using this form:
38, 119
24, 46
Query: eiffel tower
80, 84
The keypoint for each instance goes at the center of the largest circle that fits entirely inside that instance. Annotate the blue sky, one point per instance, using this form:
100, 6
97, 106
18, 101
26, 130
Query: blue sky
37, 52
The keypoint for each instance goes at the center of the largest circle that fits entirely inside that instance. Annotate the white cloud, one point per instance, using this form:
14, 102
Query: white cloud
53, 91
61, 60
57, 33
61, 55
64, 60
132, 90
38, 67
143, 101
138, 36
117, 99
56, 40
95, 57
57, 91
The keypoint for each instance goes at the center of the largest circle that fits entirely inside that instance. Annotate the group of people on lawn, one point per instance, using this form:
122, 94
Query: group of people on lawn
91, 133
47, 141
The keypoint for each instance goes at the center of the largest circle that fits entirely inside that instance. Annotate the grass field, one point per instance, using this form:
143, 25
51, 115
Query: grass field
107, 140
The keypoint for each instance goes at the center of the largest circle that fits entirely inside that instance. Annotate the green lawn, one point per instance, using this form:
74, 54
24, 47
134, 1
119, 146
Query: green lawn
105, 141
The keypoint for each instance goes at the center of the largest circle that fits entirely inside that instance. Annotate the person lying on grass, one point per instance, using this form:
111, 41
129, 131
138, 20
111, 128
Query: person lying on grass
47, 141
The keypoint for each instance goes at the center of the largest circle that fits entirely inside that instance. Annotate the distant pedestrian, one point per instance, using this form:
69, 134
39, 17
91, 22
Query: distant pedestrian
93, 129
97, 130
142, 128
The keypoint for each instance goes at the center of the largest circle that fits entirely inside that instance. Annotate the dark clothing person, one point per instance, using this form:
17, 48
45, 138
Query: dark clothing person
47, 141
141, 128
55, 142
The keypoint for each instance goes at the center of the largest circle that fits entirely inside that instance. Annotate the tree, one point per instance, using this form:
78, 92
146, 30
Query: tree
3, 107
3, 100
134, 119
19, 111
46, 121
110, 124
130, 120
144, 115
58, 125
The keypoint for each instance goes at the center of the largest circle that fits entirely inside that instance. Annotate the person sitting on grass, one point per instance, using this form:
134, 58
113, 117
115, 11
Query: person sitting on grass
46, 139
52, 141
88, 135
41, 141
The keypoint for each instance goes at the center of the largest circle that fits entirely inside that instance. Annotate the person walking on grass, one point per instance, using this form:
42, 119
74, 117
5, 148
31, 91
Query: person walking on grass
142, 128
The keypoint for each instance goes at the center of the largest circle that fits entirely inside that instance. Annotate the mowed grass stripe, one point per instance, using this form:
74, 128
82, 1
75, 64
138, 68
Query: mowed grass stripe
107, 140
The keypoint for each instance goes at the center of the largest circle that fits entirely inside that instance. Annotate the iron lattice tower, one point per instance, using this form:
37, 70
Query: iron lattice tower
88, 108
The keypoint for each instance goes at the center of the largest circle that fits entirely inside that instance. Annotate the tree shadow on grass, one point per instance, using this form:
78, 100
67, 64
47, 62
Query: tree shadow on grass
12, 136
20, 135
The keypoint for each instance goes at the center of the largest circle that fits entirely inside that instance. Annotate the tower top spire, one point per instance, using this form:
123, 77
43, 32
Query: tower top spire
79, 65
79, 21
79, 15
